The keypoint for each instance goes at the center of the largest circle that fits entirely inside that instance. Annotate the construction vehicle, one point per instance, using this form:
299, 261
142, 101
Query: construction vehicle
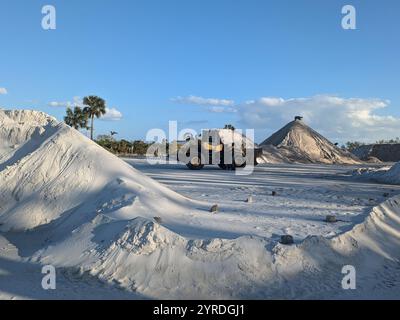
226, 148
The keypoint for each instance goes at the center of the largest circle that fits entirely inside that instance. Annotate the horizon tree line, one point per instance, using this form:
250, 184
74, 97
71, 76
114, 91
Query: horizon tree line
352, 145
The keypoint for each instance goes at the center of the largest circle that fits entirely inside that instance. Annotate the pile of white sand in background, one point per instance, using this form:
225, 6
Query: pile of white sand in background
387, 174
87, 210
298, 143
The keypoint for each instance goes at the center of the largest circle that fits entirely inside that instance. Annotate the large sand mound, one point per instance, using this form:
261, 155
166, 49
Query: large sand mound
387, 174
91, 215
296, 142
149, 259
48, 170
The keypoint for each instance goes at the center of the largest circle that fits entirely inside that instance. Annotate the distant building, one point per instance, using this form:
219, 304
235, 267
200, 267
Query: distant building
298, 118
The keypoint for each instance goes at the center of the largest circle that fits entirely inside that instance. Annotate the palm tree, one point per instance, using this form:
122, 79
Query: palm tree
95, 107
76, 118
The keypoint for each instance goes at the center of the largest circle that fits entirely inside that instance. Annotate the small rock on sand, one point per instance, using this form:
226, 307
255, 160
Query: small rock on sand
214, 208
330, 219
287, 239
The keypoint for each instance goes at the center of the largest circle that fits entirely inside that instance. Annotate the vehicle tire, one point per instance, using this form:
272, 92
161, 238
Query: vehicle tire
195, 164
227, 166
240, 166
195, 167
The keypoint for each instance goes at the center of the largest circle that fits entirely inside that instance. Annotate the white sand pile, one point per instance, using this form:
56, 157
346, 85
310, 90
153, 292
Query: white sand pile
146, 258
49, 170
15, 130
90, 215
296, 142
387, 174
392, 176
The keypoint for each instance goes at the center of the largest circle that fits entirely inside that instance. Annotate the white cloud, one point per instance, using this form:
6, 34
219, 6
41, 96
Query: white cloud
76, 102
3, 91
200, 101
219, 109
339, 119
59, 104
112, 114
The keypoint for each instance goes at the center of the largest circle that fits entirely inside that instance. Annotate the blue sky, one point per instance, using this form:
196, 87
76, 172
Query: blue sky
210, 62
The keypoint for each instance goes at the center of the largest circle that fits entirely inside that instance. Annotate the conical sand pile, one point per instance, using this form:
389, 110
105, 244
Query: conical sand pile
296, 142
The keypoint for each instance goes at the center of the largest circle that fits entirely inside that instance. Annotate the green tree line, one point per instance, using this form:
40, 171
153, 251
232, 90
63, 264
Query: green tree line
137, 147
352, 145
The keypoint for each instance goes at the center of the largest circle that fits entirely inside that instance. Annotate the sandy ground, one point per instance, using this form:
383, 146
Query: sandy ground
305, 194
113, 232
20, 279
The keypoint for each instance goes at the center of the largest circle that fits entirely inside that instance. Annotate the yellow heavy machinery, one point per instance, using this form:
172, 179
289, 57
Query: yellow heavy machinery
226, 148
